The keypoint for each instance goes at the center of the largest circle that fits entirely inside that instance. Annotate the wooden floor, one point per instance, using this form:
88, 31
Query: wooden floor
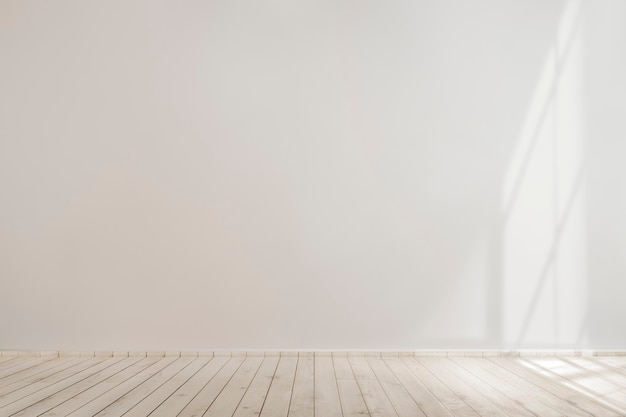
320, 385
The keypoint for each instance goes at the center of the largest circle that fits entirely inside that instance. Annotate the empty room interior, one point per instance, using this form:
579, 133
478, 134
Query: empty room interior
313, 208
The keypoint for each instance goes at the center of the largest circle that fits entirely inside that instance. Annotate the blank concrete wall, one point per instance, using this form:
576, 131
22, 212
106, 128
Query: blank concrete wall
312, 174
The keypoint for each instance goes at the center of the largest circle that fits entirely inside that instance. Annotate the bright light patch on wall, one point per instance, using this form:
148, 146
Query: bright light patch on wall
544, 265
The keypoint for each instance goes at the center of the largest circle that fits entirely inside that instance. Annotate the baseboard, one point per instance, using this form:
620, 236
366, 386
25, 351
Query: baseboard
389, 353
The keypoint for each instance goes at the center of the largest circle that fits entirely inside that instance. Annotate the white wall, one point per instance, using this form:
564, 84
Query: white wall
312, 174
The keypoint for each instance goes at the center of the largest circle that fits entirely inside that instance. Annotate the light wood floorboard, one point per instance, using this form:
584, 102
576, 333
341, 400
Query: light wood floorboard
303, 395
278, 399
313, 385
254, 399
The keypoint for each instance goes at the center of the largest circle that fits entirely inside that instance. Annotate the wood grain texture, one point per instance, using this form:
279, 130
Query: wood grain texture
309, 385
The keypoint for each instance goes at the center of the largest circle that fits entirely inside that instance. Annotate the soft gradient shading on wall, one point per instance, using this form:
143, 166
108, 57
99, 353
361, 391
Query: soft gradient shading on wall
311, 174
